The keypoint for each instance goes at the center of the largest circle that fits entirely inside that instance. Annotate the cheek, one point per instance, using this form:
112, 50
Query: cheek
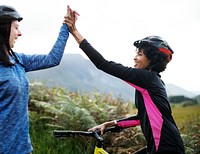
11, 40
147, 64
11, 35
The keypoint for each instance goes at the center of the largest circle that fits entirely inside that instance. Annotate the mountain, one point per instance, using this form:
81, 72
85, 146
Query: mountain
173, 90
78, 74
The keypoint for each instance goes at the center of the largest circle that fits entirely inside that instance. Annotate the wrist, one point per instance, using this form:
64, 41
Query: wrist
110, 123
115, 122
78, 37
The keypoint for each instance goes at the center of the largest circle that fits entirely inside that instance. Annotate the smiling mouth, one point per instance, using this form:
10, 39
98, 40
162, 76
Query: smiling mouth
15, 39
135, 65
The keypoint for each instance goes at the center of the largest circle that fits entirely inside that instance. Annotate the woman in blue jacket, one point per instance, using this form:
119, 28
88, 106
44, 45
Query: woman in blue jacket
154, 112
14, 84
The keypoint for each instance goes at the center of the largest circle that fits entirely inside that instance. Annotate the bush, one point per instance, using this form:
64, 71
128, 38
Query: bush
56, 108
191, 134
180, 99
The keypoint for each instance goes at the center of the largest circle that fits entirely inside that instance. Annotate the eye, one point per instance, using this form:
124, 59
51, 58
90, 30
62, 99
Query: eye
139, 53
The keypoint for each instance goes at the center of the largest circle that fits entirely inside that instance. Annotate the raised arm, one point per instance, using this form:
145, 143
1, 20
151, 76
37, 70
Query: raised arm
53, 58
128, 74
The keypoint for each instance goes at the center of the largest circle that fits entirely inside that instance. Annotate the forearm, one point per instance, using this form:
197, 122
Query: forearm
128, 122
110, 123
125, 122
57, 50
78, 37
42, 61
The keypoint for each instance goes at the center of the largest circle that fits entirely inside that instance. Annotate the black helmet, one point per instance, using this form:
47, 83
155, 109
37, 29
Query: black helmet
8, 14
157, 42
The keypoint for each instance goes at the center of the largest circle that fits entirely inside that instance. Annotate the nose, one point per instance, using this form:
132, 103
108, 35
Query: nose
19, 33
135, 58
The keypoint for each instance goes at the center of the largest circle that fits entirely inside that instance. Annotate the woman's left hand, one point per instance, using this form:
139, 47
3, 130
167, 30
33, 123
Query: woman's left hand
70, 19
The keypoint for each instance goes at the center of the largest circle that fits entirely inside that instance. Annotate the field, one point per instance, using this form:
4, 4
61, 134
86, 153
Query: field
183, 114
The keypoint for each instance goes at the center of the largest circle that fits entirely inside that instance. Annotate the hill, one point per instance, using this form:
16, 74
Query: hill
78, 74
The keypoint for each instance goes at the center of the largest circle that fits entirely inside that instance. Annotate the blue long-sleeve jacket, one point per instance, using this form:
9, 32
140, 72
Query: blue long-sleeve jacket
14, 93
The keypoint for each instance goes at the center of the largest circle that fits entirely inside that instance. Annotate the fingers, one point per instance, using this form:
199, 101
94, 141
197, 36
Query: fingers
102, 131
68, 21
96, 128
99, 128
68, 10
72, 13
76, 14
93, 129
69, 13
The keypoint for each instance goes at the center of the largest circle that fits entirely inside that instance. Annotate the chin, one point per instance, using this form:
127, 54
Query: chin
12, 46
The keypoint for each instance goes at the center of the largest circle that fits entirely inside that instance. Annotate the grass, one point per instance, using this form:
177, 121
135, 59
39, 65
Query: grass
183, 114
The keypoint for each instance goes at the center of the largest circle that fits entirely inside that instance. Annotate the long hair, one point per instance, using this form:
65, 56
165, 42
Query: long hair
5, 29
158, 60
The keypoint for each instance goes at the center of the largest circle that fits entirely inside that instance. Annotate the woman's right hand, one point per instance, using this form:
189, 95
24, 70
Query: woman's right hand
103, 126
99, 128
70, 19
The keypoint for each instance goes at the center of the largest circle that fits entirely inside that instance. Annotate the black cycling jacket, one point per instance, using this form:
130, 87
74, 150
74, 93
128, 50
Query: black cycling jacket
154, 112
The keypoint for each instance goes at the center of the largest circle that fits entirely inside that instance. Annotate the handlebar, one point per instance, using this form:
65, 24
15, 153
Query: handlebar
70, 133
95, 134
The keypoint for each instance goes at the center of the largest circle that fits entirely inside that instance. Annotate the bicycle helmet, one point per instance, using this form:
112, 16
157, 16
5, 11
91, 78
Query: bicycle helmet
157, 42
8, 14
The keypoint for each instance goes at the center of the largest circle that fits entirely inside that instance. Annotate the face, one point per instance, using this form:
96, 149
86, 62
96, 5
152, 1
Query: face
140, 60
14, 33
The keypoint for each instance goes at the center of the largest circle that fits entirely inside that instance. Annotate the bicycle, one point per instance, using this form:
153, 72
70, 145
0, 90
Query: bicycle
99, 140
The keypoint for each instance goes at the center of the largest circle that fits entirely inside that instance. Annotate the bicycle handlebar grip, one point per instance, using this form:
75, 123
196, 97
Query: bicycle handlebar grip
60, 133
69, 133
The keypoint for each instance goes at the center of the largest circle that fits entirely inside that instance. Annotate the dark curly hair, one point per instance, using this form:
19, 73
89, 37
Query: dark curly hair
158, 60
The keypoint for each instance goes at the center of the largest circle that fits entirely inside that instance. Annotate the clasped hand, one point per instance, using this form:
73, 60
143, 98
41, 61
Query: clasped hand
70, 19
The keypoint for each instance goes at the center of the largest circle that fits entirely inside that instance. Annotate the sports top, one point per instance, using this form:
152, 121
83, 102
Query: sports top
14, 95
154, 112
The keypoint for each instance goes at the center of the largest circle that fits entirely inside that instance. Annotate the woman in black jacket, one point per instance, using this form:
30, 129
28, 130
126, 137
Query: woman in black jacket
154, 112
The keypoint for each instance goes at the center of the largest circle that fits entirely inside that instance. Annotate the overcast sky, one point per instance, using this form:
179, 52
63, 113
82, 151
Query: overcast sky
112, 26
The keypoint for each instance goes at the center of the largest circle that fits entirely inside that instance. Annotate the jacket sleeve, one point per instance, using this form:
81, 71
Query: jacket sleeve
138, 77
40, 61
131, 121
110, 67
